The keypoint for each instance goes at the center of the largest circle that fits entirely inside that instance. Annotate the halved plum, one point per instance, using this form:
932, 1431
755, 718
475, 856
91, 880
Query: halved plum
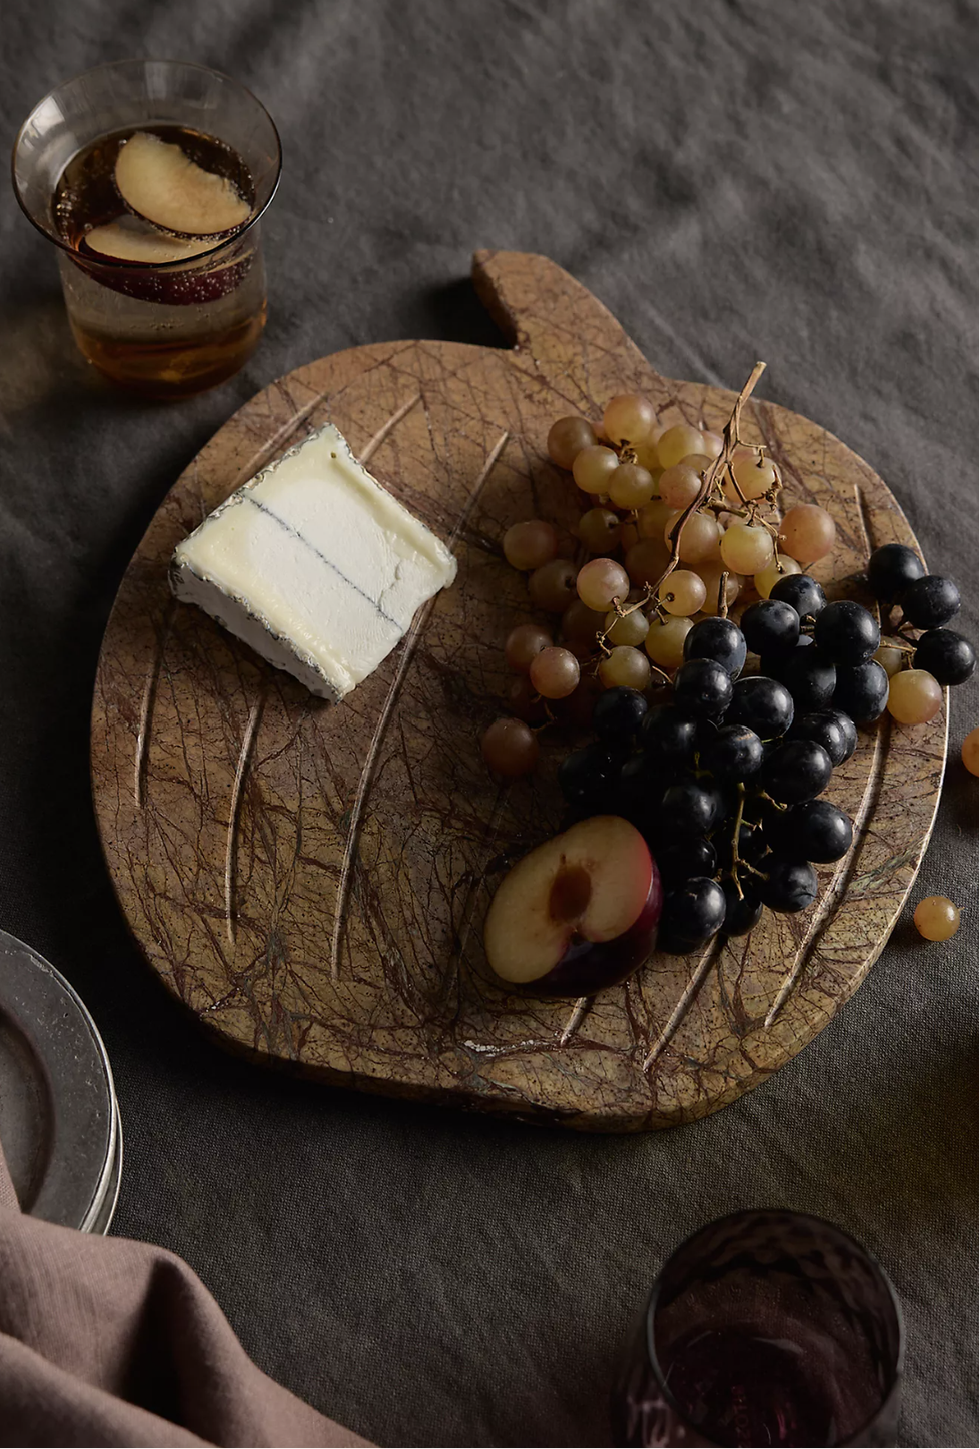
577, 914
160, 183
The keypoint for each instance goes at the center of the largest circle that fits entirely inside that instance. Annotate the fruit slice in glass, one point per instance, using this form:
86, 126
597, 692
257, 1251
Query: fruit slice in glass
182, 320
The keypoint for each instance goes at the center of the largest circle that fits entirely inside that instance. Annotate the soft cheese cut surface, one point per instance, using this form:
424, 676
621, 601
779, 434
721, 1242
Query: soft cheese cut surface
314, 565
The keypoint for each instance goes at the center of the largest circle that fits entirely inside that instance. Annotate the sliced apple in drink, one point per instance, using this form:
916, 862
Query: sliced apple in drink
160, 183
577, 914
130, 239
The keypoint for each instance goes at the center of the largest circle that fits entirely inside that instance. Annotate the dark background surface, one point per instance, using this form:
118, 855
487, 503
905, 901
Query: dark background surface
735, 180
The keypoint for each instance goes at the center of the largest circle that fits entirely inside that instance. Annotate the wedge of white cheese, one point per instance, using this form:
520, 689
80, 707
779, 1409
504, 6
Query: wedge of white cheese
314, 565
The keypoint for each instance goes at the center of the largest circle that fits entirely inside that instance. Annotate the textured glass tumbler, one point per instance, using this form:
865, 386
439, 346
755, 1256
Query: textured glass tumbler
765, 1328
163, 329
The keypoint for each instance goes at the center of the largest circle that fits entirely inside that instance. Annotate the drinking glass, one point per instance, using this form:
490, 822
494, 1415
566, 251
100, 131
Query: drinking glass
765, 1328
164, 329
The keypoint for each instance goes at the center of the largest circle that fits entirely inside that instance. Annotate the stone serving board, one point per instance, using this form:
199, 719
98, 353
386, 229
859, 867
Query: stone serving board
311, 880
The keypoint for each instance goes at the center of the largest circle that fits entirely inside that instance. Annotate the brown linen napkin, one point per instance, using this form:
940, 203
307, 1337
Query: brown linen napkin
104, 1341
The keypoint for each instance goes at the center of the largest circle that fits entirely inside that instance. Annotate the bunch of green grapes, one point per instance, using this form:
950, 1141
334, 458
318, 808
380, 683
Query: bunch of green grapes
622, 616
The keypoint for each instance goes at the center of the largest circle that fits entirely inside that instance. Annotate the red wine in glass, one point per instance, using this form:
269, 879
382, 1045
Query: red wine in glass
742, 1386
765, 1328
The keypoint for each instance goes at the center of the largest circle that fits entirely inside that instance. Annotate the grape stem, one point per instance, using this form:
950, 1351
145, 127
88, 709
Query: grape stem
715, 468
723, 594
738, 826
712, 474
734, 481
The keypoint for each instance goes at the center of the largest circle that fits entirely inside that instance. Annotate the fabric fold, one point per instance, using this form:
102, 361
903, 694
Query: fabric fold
105, 1341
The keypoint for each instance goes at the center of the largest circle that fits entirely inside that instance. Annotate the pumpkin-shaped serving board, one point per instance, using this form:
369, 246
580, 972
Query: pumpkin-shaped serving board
311, 880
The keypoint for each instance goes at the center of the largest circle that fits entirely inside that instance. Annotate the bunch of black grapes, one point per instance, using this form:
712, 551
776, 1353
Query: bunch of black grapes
723, 777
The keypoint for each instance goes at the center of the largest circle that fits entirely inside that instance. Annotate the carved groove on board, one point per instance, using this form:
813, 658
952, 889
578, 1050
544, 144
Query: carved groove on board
234, 812
864, 518
468, 912
374, 443
147, 703
408, 653
578, 1014
367, 780
685, 1001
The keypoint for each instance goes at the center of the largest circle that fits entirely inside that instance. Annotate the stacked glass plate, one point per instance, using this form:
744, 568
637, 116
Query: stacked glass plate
59, 1120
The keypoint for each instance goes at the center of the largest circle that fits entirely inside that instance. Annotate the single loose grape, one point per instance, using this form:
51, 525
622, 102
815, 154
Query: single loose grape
754, 474
665, 641
555, 672
652, 517
930, 602
914, 696
682, 592
936, 918
523, 644
510, 747
947, 655
679, 485
552, 586
891, 568
677, 442
890, 658
646, 561
628, 418
619, 714
802, 593
711, 573
600, 530
628, 628
625, 666
592, 468
567, 438
746, 549
846, 632
600, 581
530, 545
580, 627
630, 486
807, 533
970, 753
780, 568
699, 539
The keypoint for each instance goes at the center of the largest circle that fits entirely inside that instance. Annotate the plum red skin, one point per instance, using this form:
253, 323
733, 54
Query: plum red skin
176, 286
590, 966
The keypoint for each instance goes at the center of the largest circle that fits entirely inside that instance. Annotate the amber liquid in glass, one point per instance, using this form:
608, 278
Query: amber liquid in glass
165, 332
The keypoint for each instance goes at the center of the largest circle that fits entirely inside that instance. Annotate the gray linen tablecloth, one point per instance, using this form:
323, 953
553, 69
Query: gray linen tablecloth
757, 178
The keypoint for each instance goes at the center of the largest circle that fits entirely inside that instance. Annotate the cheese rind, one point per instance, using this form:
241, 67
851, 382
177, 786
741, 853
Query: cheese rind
314, 565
